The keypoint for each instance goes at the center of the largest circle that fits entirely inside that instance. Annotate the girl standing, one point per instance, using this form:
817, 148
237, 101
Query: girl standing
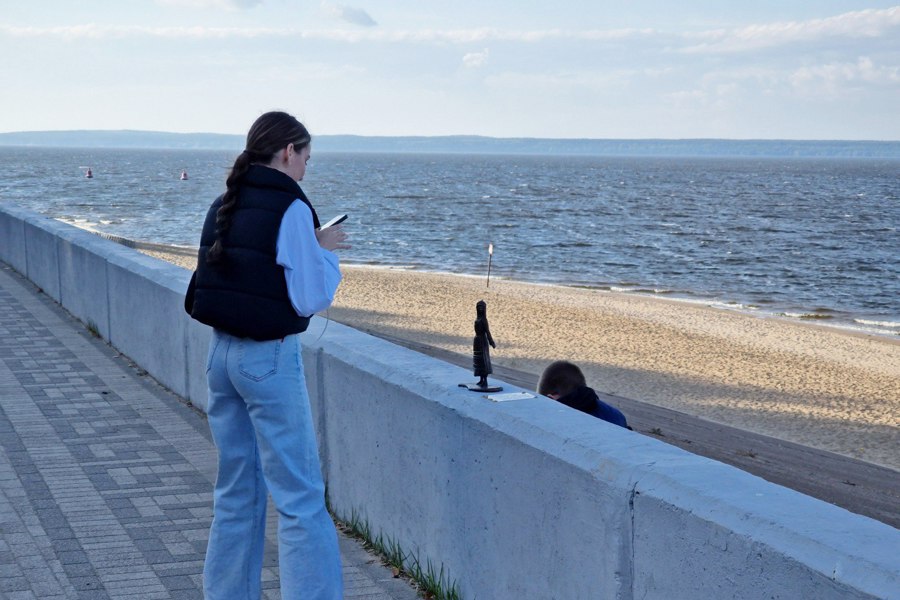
264, 268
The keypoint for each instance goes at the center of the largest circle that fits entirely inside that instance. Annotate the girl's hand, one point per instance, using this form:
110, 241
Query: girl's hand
332, 238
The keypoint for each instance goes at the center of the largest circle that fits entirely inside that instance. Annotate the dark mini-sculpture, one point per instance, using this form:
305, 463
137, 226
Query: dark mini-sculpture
481, 353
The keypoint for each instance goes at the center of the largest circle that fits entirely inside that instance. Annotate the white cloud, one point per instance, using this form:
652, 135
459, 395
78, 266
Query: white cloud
609, 81
356, 16
489, 34
870, 23
476, 59
718, 96
425, 36
835, 78
226, 4
93, 31
857, 24
832, 80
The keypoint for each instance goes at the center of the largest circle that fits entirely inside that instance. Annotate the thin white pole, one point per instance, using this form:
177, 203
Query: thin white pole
490, 259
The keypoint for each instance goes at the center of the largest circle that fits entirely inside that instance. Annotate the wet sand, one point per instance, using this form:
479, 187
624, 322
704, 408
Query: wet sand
812, 385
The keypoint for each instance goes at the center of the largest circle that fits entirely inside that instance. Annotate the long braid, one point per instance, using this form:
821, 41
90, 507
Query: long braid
229, 202
270, 133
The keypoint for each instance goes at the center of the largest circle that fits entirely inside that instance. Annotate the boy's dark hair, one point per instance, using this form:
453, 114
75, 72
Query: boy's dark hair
560, 377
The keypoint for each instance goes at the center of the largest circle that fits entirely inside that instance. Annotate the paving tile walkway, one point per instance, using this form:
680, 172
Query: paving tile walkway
106, 477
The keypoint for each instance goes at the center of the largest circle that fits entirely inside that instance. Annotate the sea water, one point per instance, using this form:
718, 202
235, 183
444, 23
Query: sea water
812, 239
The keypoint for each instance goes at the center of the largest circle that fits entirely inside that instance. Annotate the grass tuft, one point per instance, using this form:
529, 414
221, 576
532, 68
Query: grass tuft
93, 329
432, 583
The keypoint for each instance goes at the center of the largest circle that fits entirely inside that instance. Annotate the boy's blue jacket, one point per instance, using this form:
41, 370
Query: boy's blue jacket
585, 399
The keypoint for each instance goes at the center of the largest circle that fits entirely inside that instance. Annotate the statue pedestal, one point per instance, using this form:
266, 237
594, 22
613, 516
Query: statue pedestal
475, 387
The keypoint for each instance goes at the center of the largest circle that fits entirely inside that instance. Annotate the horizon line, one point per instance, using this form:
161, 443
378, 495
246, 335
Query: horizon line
458, 135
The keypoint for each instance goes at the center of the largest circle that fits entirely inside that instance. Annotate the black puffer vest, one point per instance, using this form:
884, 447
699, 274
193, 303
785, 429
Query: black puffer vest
246, 294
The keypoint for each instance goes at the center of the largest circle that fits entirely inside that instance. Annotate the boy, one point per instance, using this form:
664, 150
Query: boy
564, 382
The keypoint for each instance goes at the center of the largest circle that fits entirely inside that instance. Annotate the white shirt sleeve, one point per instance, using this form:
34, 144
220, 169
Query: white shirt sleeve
311, 272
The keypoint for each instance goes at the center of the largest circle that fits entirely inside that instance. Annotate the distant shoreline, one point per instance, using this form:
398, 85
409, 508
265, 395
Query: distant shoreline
471, 144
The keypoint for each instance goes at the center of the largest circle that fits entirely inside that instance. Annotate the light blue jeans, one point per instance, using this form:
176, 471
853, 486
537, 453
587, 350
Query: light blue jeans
261, 423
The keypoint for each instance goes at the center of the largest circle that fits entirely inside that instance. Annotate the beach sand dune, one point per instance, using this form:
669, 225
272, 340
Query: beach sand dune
818, 386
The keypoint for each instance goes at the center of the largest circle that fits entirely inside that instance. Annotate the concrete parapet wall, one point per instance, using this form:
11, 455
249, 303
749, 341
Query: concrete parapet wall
12, 236
147, 321
528, 499
83, 281
132, 300
40, 253
524, 499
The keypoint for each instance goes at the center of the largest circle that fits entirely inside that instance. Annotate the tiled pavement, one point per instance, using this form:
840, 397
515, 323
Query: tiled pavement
105, 477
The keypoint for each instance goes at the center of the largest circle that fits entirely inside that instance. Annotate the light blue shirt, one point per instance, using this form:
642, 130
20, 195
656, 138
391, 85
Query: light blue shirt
312, 273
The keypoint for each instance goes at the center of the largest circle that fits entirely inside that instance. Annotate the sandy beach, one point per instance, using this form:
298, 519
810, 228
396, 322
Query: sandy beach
813, 385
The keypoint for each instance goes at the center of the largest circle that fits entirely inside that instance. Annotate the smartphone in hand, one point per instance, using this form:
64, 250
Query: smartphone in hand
334, 221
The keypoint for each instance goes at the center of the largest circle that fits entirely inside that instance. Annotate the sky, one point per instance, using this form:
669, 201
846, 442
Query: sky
760, 69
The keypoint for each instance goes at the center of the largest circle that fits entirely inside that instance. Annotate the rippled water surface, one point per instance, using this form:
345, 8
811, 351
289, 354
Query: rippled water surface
810, 238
